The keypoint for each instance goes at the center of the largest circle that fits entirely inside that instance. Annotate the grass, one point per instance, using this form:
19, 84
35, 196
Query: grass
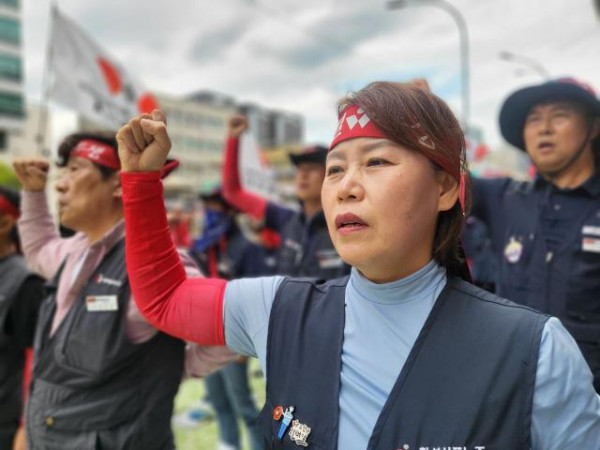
205, 435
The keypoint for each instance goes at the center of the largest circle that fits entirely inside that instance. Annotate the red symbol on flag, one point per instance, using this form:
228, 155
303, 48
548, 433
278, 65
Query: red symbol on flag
146, 103
111, 76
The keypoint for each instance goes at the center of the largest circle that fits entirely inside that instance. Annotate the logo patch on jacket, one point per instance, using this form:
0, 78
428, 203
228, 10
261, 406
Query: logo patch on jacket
299, 433
513, 250
590, 230
101, 279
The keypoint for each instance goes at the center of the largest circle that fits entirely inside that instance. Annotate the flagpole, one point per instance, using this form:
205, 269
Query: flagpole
43, 120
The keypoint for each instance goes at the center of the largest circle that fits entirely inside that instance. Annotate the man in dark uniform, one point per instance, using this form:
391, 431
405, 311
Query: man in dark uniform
21, 293
548, 230
306, 248
103, 376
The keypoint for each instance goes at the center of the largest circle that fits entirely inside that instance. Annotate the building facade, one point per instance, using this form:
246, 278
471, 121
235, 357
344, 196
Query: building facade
12, 109
197, 127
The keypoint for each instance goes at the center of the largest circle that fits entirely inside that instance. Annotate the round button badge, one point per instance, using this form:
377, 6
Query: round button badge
277, 413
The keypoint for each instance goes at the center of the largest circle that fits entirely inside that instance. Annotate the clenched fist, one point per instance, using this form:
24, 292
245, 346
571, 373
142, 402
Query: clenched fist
237, 125
144, 143
32, 173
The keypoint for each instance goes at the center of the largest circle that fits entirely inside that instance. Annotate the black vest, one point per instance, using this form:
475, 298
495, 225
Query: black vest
92, 388
307, 251
13, 273
467, 382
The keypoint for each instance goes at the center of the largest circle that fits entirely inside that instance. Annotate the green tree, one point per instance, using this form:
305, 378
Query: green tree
8, 177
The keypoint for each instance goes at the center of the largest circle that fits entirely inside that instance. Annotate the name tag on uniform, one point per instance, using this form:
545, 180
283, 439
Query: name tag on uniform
591, 230
96, 303
591, 244
329, 259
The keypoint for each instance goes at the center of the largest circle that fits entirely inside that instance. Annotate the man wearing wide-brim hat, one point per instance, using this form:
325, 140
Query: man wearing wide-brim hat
548, 231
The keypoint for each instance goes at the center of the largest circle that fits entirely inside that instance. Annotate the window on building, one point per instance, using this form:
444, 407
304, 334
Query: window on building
10, 68
11, 105
13, 3
10, 30
3, 146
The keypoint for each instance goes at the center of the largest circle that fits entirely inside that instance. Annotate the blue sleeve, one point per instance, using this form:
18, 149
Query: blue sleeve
246, 311
487, 205
277, 216
566, 409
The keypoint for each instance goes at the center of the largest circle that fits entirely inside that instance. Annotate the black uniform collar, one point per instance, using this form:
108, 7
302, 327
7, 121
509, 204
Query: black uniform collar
591, 186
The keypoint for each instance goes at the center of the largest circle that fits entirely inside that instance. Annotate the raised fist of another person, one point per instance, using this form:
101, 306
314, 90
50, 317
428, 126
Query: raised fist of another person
32, 173
144, 143
237, 125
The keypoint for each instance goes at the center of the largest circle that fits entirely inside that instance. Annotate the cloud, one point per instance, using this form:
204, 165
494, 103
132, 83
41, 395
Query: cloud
213, 44
329, 38
303, 56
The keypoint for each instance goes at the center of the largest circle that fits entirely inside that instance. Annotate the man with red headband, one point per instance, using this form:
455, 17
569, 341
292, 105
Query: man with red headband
306, 248
21, 293
103, 376
549, 230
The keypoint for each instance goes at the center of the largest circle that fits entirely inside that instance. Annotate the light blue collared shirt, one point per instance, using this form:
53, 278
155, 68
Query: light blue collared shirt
382, 324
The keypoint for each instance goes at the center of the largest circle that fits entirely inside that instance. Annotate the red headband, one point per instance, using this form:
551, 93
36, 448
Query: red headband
97, 152
105, 155
354, 123
8, 208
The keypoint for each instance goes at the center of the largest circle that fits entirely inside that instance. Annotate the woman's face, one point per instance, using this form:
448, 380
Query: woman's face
381, 202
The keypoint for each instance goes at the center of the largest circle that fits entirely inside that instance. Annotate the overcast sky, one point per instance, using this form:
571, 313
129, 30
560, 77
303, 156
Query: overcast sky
302, 56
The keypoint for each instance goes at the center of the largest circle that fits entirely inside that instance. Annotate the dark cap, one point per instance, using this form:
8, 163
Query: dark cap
516, 107
215, 194
313, 154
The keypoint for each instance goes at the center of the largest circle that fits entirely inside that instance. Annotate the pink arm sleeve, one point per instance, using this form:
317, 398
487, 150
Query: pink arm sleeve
188, 308
232, 189
43, 247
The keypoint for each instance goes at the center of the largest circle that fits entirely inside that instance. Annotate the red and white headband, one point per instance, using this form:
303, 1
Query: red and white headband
106, 156
97, 152
354, 123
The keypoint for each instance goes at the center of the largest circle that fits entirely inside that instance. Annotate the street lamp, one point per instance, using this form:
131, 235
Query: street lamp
526, 61
464, 46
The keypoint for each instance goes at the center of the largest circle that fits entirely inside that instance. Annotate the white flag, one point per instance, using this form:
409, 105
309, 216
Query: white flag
87, 79
256, 175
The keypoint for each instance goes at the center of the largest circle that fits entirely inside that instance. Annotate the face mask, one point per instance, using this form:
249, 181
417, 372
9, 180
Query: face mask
213, 219
216, 225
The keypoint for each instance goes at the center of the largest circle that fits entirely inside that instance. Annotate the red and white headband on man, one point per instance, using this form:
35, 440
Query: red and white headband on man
97, 152
354, 123
106, 156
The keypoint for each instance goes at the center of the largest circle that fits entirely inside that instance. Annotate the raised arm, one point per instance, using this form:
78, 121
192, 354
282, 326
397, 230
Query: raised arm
42, 246
232, 188
191, 309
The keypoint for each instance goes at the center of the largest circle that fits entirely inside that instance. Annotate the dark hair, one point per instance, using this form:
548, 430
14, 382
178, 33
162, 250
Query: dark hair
216, 196
14, 199
405, 114
71, 141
